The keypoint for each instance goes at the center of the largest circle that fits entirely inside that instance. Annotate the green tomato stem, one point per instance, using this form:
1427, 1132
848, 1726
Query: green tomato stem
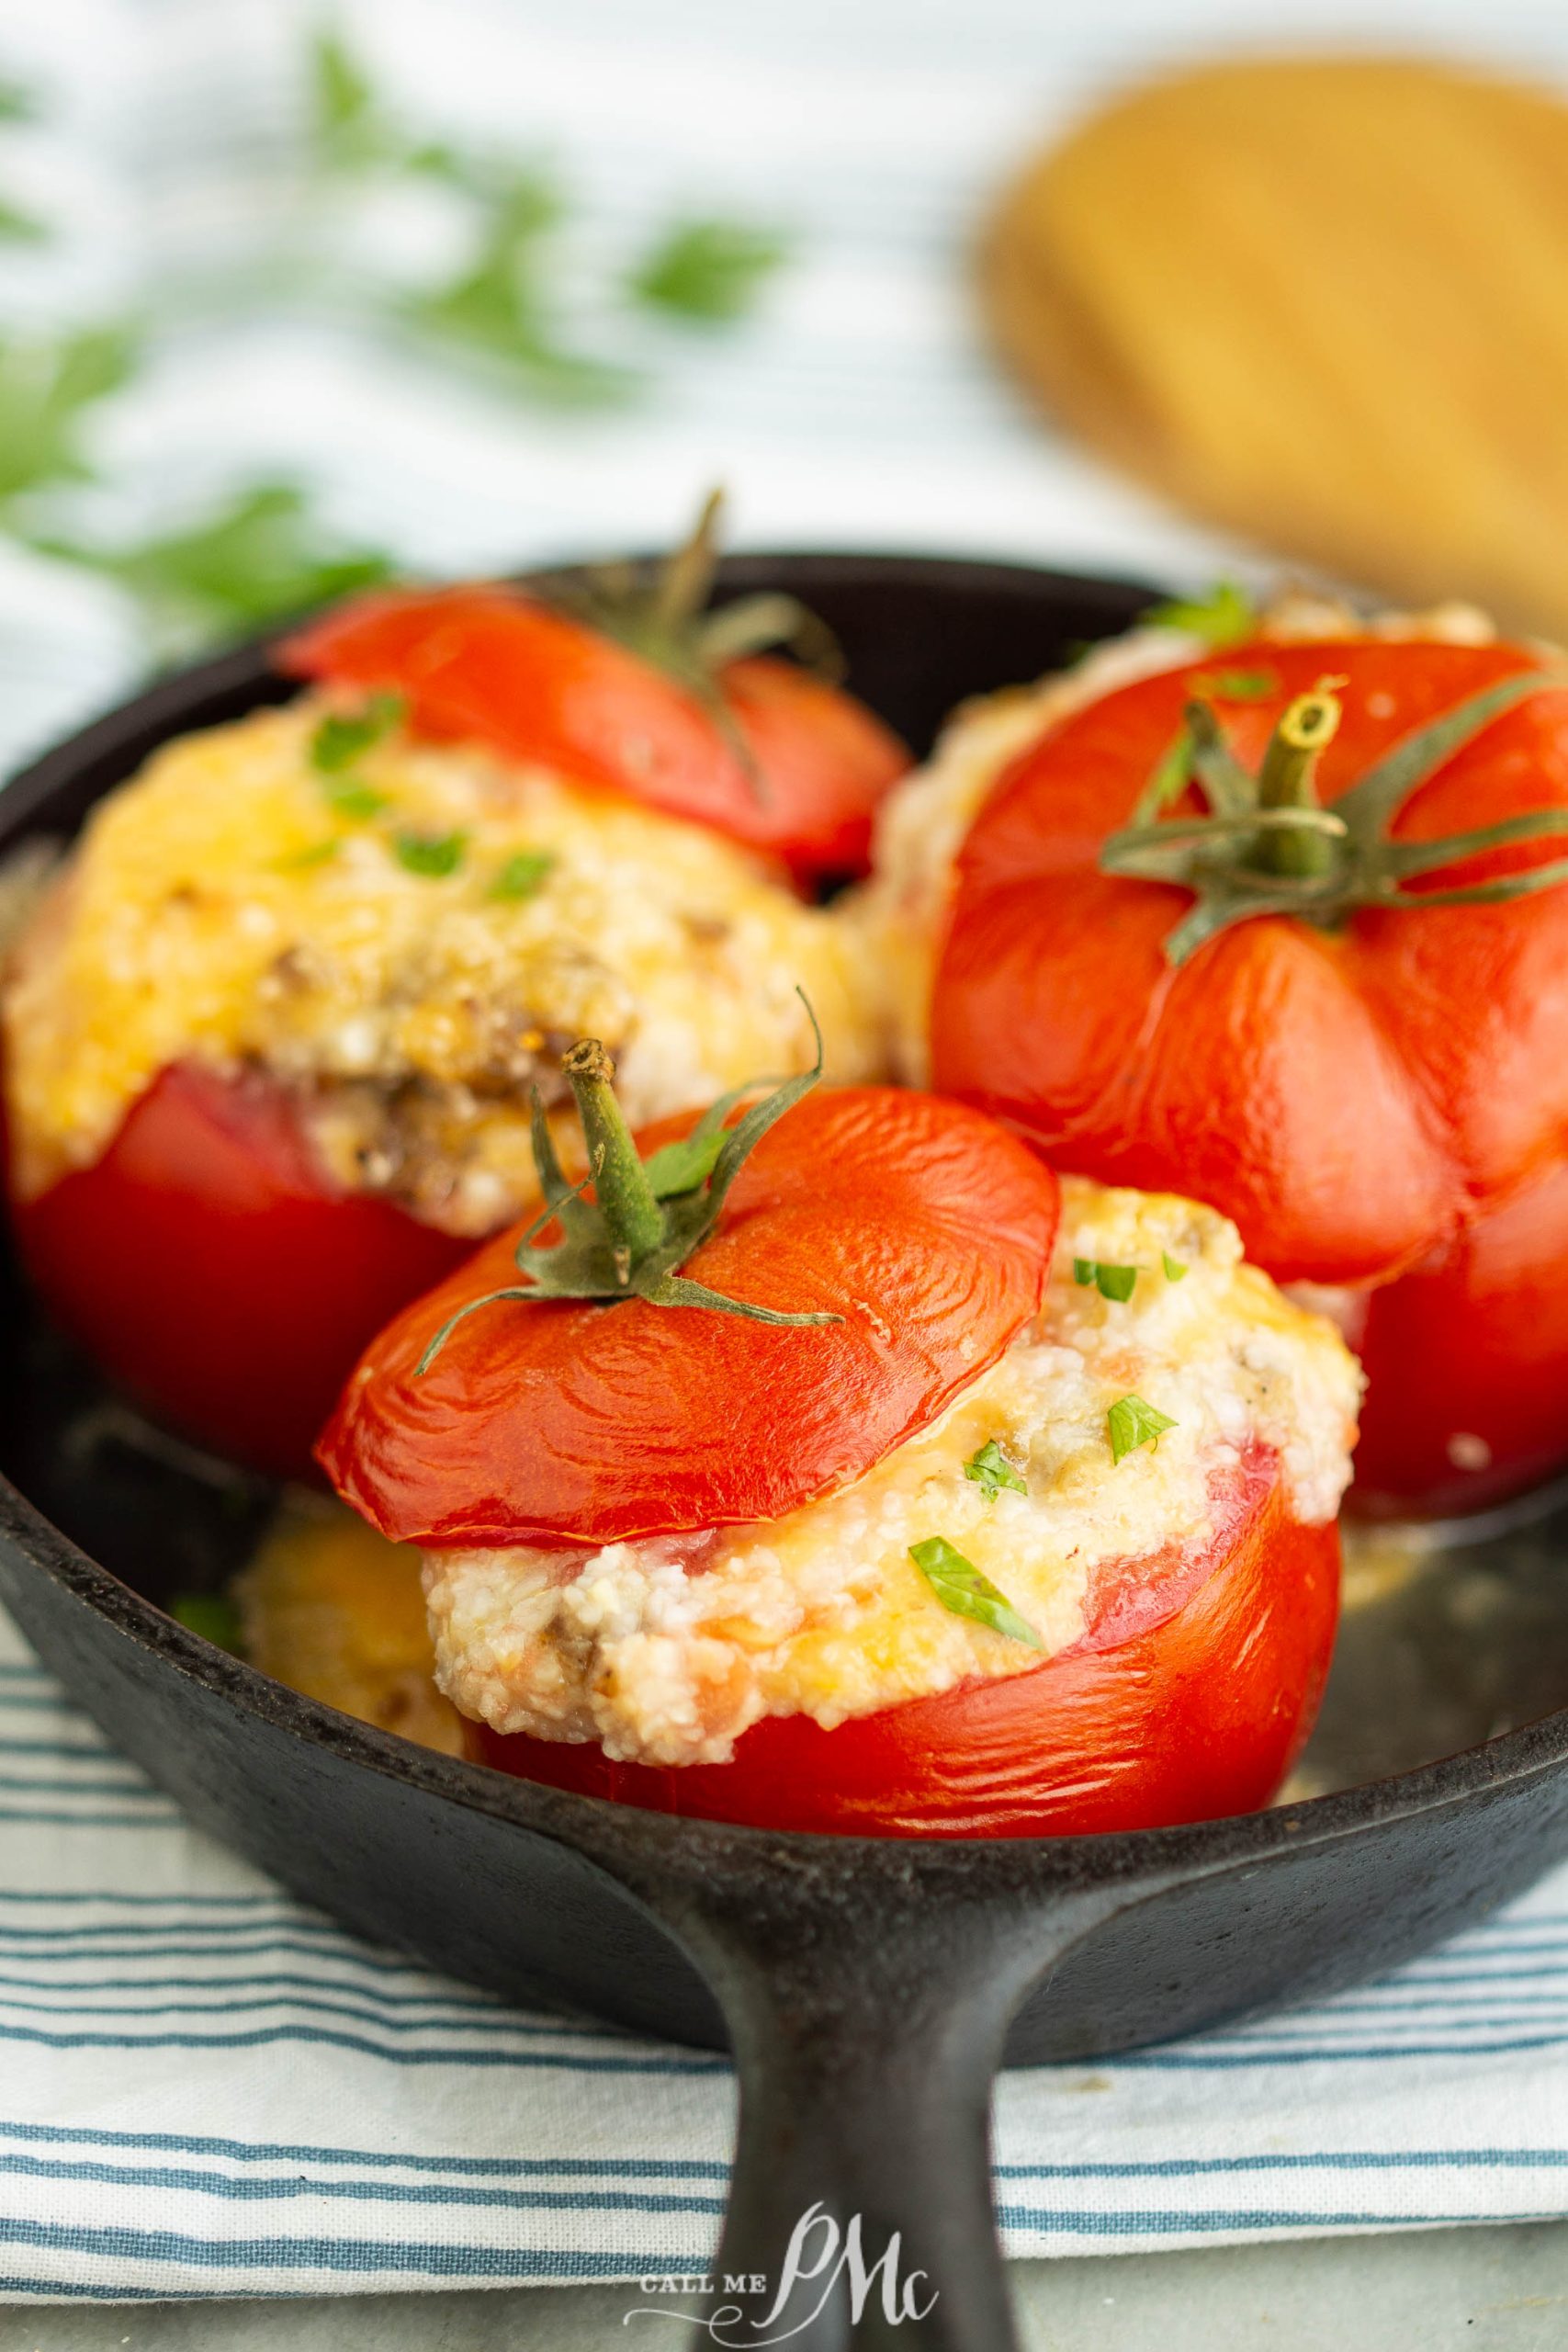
1287, 780
628, 1203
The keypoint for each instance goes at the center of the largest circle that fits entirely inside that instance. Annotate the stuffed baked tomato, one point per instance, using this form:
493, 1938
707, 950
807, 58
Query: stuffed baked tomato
1283, 923
788, 1484
269, 1037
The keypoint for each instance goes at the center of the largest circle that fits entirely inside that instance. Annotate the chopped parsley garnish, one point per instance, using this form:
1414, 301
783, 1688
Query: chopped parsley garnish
959, 1586
300, 861
434, 855
1132, 1423
522, 877
1236, 686
343, 736
991, 1469
1174, 1271
1225, 617
210, 1614
355, 803
1110, 1282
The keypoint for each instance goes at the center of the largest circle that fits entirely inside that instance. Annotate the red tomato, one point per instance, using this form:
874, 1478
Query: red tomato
924, 1226
487, 665
208, 1264
1383, 1104
1467, 1397
1190, 1697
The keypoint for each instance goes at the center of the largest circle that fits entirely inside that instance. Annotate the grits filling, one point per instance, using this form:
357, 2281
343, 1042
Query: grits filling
902, 911
666, 1650
408, 947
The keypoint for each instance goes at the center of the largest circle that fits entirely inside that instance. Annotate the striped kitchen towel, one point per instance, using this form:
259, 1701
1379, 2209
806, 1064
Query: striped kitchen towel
208, 2090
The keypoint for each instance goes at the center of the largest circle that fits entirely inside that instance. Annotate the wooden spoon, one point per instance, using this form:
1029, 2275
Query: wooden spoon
1323, 302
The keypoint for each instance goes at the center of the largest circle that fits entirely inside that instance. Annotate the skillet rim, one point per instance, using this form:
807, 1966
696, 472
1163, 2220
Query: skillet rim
1509, 1759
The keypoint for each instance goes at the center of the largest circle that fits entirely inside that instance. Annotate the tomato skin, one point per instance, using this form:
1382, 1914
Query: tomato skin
491, 666
1197, 1713
1472, 1346
206, 1262
1364, 1103
924, 1226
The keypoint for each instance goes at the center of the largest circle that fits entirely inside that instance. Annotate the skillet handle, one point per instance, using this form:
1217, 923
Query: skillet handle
859, 2212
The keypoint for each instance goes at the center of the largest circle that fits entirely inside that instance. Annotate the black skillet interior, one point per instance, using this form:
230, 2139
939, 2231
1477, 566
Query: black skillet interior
865, 1988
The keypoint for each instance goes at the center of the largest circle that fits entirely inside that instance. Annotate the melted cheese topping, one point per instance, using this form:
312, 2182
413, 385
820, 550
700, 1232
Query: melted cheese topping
665, 1651
902, 909
218, 906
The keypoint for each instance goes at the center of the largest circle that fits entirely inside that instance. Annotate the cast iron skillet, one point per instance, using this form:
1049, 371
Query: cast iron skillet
868, 1989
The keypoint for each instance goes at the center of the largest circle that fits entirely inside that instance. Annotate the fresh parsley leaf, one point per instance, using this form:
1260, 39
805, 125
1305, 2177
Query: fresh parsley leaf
434, 855
1236, 686
355, 803
681, 1167
212, 1615
1111, 1281
262, 555
344, 735
1226, 615
1134, 1423
505, 301
45, 388
345, 119
1174, 1271
991, 1469
301, 861
523, 875
959, 1586
708, 271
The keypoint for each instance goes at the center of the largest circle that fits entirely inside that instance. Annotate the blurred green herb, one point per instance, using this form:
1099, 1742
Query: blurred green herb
345, 122
301, 860
18, 226
1226, 615
513, 301
260, 554
708, 270
434, 855
503, 302
46, 387
344, 736
511, 298
355, 803
523, 875
1235, 685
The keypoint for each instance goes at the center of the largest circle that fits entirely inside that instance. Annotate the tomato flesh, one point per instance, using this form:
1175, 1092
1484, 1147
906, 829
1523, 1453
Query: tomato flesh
1189, 1698
208, 1264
